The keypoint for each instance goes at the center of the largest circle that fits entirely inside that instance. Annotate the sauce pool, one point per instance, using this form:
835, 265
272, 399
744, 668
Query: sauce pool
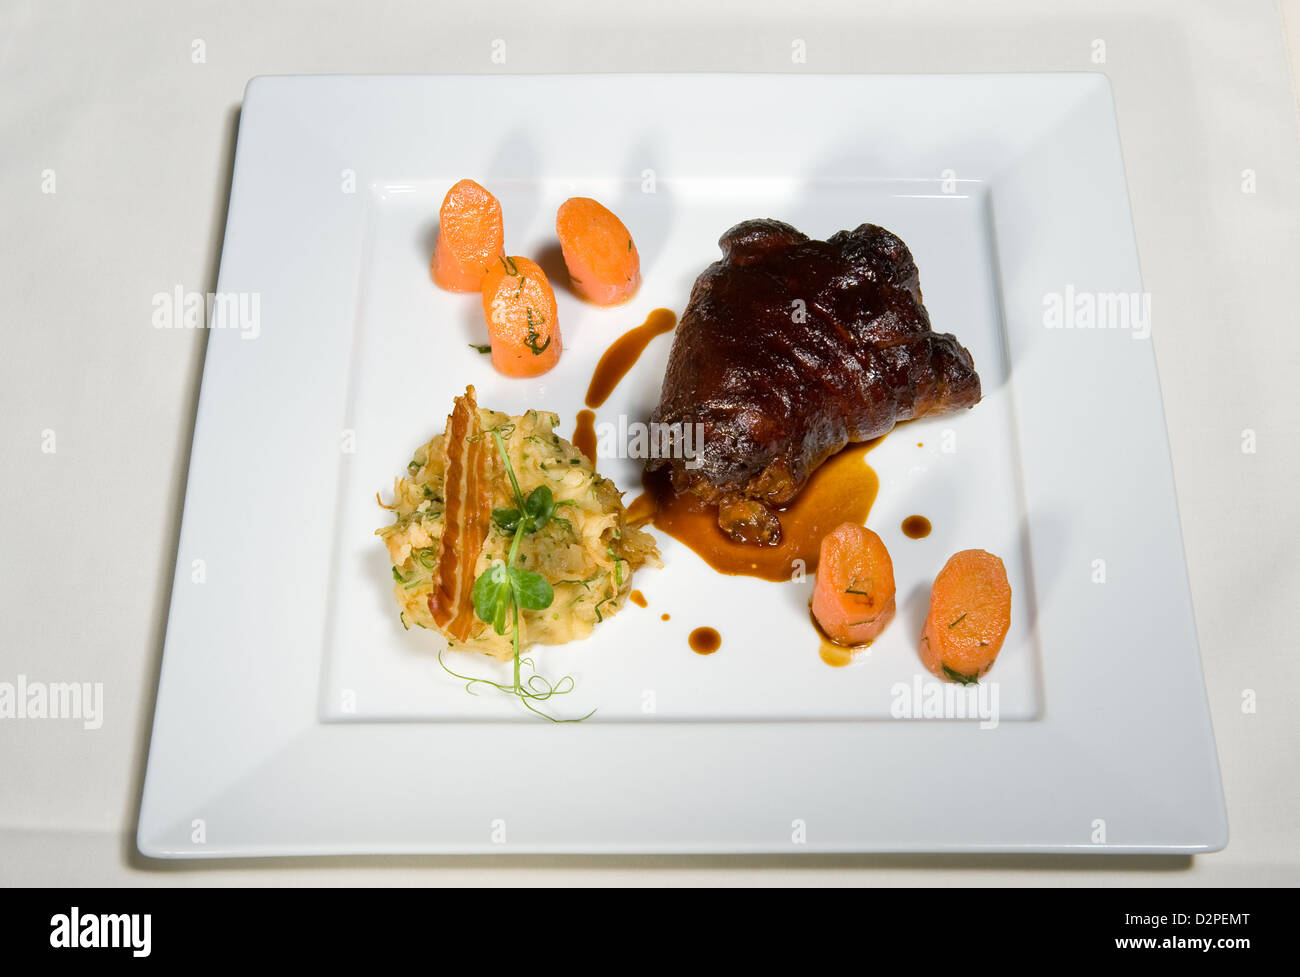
638, 598
841, 490
642, 508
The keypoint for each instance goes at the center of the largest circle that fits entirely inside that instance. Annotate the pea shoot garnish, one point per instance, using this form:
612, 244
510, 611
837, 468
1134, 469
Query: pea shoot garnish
505, 587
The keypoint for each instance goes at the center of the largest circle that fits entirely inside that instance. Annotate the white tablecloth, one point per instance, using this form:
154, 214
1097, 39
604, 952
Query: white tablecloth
108, 106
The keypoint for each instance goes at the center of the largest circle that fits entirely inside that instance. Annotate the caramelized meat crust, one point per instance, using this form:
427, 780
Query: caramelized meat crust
789, 350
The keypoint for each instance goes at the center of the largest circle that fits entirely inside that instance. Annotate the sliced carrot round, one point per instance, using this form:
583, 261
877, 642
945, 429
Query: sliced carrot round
970, 614
853, 599
522, 321
603, 263
470, 237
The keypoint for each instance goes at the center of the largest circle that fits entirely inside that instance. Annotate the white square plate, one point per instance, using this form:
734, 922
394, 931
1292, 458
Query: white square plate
296, 716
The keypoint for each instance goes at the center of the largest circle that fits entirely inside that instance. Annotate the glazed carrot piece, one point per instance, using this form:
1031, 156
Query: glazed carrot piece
470, 237
603, 263
970, 613
853, 599
519, 307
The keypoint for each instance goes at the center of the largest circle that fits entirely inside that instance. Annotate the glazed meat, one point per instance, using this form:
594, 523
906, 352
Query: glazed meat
790, 349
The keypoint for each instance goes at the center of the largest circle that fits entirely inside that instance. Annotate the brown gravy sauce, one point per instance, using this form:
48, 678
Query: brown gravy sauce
641, 509
916, 527
841, 490
832, 652
704, 641
624, 352
584, 434
638, 598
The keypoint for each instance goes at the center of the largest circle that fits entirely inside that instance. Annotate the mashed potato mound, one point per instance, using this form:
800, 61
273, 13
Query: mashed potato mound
587, 551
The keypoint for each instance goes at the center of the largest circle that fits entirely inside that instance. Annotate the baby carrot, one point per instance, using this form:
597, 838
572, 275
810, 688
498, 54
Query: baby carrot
603, 263
853, 599
970, 613
519, 307
470, 237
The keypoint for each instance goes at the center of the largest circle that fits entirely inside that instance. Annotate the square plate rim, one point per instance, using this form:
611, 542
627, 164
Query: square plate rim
156, 835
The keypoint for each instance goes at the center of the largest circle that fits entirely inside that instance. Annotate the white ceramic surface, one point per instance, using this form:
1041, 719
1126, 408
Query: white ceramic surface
1007, 189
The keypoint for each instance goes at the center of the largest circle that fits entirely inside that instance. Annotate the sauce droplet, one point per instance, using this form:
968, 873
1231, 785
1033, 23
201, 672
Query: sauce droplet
841, 490
665, 617
637, 598
916, 527
584, 434
836, 656
832, 652
705, 641
623, 354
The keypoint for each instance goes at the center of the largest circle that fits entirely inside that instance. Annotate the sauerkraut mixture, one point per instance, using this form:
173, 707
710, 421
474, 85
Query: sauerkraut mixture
451, 518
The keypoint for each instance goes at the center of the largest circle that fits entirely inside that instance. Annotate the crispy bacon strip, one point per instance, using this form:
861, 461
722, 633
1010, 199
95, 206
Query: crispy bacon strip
467, 449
